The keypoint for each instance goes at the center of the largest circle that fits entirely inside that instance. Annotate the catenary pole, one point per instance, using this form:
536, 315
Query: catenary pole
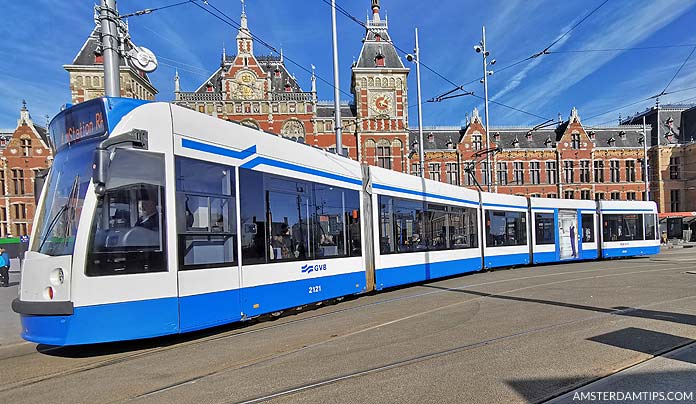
110, 48
337, 100
421, 148
489, 169
645, 161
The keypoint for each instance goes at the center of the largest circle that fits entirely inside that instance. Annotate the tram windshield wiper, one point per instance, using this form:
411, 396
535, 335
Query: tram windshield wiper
69, 206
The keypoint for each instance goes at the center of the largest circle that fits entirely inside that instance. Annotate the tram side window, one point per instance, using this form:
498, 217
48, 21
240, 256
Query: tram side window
588, 228
650, 226
505, 228
205, 214
285, 219
412, 226
545, 229
128, 230
336, 222
463, 228
623, 227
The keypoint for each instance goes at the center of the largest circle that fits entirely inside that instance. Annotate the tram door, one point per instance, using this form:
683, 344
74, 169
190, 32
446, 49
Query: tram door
568, 234
206, 211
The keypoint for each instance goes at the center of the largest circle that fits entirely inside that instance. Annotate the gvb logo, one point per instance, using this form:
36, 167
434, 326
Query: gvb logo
312, 268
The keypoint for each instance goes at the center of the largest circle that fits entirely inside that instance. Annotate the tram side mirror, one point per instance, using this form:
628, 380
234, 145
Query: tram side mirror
100, 169
136, 138
39, 182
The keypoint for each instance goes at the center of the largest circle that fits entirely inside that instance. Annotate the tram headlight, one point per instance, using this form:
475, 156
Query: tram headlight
57, 277
48, 293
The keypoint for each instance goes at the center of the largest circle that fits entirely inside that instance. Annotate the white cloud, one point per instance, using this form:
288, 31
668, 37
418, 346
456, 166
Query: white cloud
635, 24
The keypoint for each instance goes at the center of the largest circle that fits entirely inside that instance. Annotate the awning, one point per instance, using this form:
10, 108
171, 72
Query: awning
667, 215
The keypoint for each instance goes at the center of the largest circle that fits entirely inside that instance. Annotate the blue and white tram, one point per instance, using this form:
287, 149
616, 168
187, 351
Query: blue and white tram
629, 228
563, 229
505, 225
157, 220
427, 229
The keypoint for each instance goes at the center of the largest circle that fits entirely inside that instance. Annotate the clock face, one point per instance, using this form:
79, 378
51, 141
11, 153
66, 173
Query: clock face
382, 103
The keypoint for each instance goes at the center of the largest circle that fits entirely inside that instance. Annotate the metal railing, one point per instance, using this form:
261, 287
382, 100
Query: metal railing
292, 96
197, 97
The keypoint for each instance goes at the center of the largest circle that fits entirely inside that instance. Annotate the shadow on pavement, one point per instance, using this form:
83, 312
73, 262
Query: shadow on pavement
639, 384
110, 348
680, 318
645, 341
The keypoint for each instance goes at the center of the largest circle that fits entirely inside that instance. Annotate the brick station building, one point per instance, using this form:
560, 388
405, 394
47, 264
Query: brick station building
259, 91
565, 161
23, 153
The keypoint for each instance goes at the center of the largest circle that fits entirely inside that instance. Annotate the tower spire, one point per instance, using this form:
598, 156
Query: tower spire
176, 82
244, 39
375, 10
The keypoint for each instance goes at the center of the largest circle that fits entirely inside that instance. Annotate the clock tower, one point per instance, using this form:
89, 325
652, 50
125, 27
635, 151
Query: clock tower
379, 85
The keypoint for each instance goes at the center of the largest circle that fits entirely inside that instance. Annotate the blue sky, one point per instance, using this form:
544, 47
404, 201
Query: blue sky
187, 38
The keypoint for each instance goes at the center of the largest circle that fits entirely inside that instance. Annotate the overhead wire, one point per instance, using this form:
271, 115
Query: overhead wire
341, 10
652, 97
151, 10
544, 51
677, 72
635, 48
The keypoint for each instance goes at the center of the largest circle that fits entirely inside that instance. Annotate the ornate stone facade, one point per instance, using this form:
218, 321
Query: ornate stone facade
260, 92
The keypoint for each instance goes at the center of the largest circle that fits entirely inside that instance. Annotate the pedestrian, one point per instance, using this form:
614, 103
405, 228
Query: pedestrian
4, 267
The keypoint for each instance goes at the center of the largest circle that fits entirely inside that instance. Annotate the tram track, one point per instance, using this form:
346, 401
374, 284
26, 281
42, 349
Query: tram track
413, 360
265, 359
458, 349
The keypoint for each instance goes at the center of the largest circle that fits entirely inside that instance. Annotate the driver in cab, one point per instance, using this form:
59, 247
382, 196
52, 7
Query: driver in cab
148, 215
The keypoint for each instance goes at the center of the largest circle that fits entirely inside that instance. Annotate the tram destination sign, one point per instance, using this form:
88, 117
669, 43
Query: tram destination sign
78, 123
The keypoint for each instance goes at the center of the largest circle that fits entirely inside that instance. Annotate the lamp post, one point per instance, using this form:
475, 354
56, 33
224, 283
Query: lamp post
337, 94
421, 147
481, 48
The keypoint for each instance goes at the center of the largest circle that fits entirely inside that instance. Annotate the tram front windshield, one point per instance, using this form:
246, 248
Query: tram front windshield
70, 176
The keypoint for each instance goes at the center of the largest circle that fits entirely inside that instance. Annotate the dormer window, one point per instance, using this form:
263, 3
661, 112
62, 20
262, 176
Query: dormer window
378, 37
516, 143
496, 136
641, 140
379, 58
548, 142
288, 88
209, 87
611, 141
26, 147
591, 134
449, 144
529, 135
276, 72
431, 138
622, 134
